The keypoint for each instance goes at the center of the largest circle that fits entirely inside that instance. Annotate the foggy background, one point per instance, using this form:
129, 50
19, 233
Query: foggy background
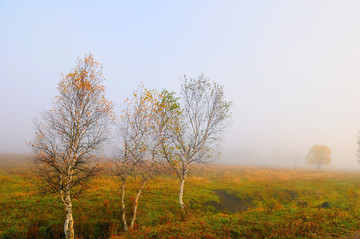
291, 68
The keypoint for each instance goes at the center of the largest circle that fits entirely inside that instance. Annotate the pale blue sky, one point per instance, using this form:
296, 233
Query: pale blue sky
290, 67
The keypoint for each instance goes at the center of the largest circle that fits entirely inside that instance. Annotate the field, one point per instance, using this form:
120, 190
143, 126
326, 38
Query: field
222, 202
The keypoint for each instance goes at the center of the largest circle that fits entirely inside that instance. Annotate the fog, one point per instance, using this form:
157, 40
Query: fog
291, 68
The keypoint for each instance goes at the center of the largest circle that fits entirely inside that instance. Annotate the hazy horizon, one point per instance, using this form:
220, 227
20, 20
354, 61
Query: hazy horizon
290, 68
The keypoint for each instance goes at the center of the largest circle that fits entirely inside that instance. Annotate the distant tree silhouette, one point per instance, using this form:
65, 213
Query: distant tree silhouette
319, 155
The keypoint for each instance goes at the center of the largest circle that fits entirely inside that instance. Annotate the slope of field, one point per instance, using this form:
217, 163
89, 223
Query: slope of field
222, 202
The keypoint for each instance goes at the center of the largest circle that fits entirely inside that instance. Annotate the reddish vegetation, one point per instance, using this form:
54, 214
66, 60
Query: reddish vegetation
224, 202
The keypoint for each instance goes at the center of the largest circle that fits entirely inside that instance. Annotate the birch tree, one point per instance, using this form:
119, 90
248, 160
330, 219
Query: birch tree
142, 125
196, 128
68, 137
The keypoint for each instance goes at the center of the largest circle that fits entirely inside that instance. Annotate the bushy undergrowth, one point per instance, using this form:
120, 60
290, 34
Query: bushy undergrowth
222, 202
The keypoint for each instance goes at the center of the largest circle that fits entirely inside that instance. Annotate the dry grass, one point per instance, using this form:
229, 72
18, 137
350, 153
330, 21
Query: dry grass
223, 202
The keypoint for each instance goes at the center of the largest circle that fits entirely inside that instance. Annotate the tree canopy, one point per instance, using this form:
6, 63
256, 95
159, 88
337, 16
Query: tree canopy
319, 155
68, 138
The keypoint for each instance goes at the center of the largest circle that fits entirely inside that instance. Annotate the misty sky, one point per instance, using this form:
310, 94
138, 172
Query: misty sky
291, 68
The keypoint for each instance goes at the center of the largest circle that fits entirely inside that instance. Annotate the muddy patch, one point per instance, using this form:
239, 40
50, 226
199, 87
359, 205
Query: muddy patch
324, 205
229, 202
292, 194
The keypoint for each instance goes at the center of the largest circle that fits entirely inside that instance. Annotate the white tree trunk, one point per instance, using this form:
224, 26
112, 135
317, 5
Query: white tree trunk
136, 203
181, 192
69, 221
123, 212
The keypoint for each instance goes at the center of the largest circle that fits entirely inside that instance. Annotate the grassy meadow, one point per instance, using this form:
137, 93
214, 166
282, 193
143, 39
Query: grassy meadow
222, 202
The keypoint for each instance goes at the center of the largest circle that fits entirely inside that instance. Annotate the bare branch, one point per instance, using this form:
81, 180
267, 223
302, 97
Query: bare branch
69, 137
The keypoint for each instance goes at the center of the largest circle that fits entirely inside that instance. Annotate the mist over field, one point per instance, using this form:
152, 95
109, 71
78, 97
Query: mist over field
180, 119
291, 68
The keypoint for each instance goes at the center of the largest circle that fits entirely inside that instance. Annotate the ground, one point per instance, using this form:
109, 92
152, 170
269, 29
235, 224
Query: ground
222, 202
